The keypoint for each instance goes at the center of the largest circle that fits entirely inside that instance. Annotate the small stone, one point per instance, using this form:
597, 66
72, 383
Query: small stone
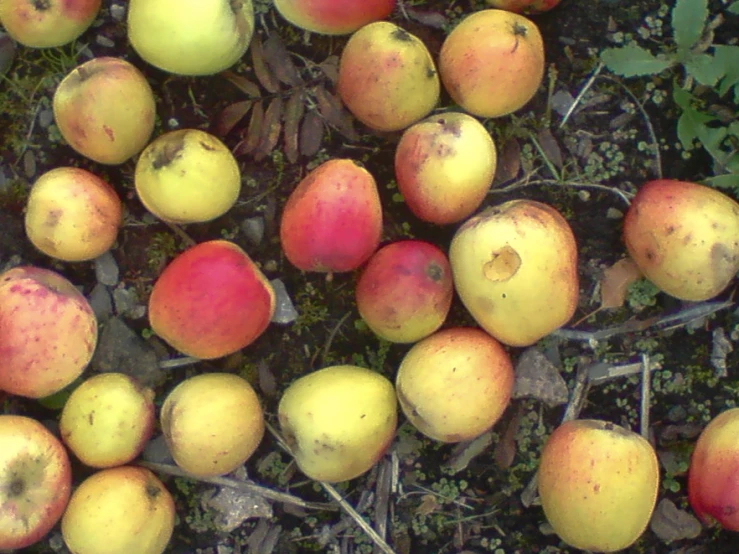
101, 302
104, 41
118, 12
613, 213
106, 269
562, 101
126, 303
156, 451
233, 507
45, 118
537, 377
253, 229
670, 523
285, 311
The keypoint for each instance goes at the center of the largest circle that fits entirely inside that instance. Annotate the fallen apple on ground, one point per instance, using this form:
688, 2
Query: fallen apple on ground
333, 17
524, 6
35, 481
47, 23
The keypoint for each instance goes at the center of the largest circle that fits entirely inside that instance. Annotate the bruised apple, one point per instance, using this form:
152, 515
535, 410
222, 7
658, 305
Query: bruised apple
492, 62
211, 301
405, 291
47, 23
444, 166
684, 237
332, 221
524, 6
333, 17
515, 270
455, 384
387, 78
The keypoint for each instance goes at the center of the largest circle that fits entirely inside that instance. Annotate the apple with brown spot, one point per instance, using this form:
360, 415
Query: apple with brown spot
333, 17
47, 23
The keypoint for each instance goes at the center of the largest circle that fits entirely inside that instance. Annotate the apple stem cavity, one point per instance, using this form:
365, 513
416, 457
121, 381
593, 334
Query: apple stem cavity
42, 5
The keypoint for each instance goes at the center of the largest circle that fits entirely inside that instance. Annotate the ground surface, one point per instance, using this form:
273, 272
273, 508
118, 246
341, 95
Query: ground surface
441, 499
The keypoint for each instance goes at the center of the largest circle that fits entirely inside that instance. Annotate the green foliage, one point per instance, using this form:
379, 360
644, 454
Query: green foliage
641, 294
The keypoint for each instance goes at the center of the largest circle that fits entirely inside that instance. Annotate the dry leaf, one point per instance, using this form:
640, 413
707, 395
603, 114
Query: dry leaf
333, 111
615, 282
271, 128
428, 505
509, 162
279, 61
330, 68
294, 110
311, 134
505, 450
253, 133
670, 523
464, 452
550, 147
229, 117
264, 75
243, 84
538, 378
430, 18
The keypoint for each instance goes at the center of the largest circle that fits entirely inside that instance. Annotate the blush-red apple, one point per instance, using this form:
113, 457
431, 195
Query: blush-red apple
333, 17
47, 23
524, 6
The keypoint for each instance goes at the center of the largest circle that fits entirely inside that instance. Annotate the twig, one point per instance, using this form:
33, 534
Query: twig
581, 94
524, 182
187, 239
178, 362
330, 339
645, 382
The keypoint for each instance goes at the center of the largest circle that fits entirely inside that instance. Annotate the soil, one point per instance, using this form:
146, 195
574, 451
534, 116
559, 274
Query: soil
431, 506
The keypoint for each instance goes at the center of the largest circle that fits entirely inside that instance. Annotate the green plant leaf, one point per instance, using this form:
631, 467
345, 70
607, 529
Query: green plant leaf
728, 181
690, 126
734, 8
704, 69
632, 60
688, 21
727, 58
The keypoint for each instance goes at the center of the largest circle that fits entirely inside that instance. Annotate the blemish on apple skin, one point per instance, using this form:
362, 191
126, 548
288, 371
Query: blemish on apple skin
109, 133
401, 35
169, 152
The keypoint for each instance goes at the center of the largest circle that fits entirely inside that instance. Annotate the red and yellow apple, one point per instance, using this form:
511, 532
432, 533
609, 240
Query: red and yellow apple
35, 481
211, 300
598, 484
72, 214
492, 62
405, 291
47, 23
387, 77
454, 385
332, 221
333, 17
684, 237
524, 6
212, 423
444, 166
119, 510
105, 110
48, 332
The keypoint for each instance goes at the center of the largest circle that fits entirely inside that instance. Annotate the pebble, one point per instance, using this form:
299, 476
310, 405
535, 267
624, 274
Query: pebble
156, 451
285, 311
127, 304
104, 41
253, 229
106, 269
45, 117
101, 302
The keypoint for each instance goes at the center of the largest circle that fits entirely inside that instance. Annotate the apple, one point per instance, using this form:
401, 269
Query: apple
35, 481
72, 214
387, 77
405, 291
47, 23
713, 475
212, 423
119, 510
492, 62
211, 300
190, 37
683, 237
444, 166
598, 484
524, 6
187, 176
105, 110
332, 221
454, 385
338, 421
48, 332
333, 17
515, 270
107, 420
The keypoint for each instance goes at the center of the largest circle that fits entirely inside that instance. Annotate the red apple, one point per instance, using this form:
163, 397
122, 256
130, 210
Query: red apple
713, 476
332, 221
405, 291
524, 6
333, 17
47, 23
35, 481
48, 332
211, 301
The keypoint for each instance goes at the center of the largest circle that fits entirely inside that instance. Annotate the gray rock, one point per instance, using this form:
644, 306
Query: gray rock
233, 507
537, 377
104, 41
285, 311
101, 303
106, 269
562, 101
127, 304
157, 451
253, 229
118, 11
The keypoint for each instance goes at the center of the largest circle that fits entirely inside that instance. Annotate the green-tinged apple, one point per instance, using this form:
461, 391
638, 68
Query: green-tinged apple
212, 423
515, 270
105, 110
119, 510
190, 37
529, 7
107, 420
332, 221
444, 166
492, 62
713, 475
387, 77
598, 484
72, 214
333, 17
684, 237
187, 176
211, 300
47, 23
35, 481
454, 385
405, 291
48, 332
338, 421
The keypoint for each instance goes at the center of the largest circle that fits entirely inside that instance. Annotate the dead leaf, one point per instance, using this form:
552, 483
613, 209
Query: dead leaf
311, 134
670, 523
330, 68
264, 75
509, 162
505, 450
538, 378
279, 61
428, 505
229, 117
333, 111
464, 453
294, 110
615, 282
429, 18
720, 350
271, 129
253, 132
246, 86
550, 147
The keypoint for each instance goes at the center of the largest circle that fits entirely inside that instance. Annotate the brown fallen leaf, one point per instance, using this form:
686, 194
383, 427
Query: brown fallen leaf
505, 450
271, 129
229, 117
252, 135
263, 73
333, 111
550, 147
428, 505
246, 86
670, 523
615, 282
294, 111
330, 68
311, 134
539, 378
279, 61
509, 162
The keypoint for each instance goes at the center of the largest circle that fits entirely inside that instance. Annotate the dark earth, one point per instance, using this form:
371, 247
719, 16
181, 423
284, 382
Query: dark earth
423, 497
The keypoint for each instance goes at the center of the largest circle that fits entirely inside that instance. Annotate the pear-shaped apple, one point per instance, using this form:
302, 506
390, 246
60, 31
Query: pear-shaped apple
338, 421
47, 23
333, 17
211, 301
332, 221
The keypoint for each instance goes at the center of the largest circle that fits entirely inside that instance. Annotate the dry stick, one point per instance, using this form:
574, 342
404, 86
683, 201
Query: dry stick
187, 239
178, 362
581, 94
645, 382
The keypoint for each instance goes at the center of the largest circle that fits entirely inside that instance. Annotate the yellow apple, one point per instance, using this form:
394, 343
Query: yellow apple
107, 420
598, 484
190, 37
187, 176
212, 423
105, 110
524, 6
119, 510
47, 23
338, 421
